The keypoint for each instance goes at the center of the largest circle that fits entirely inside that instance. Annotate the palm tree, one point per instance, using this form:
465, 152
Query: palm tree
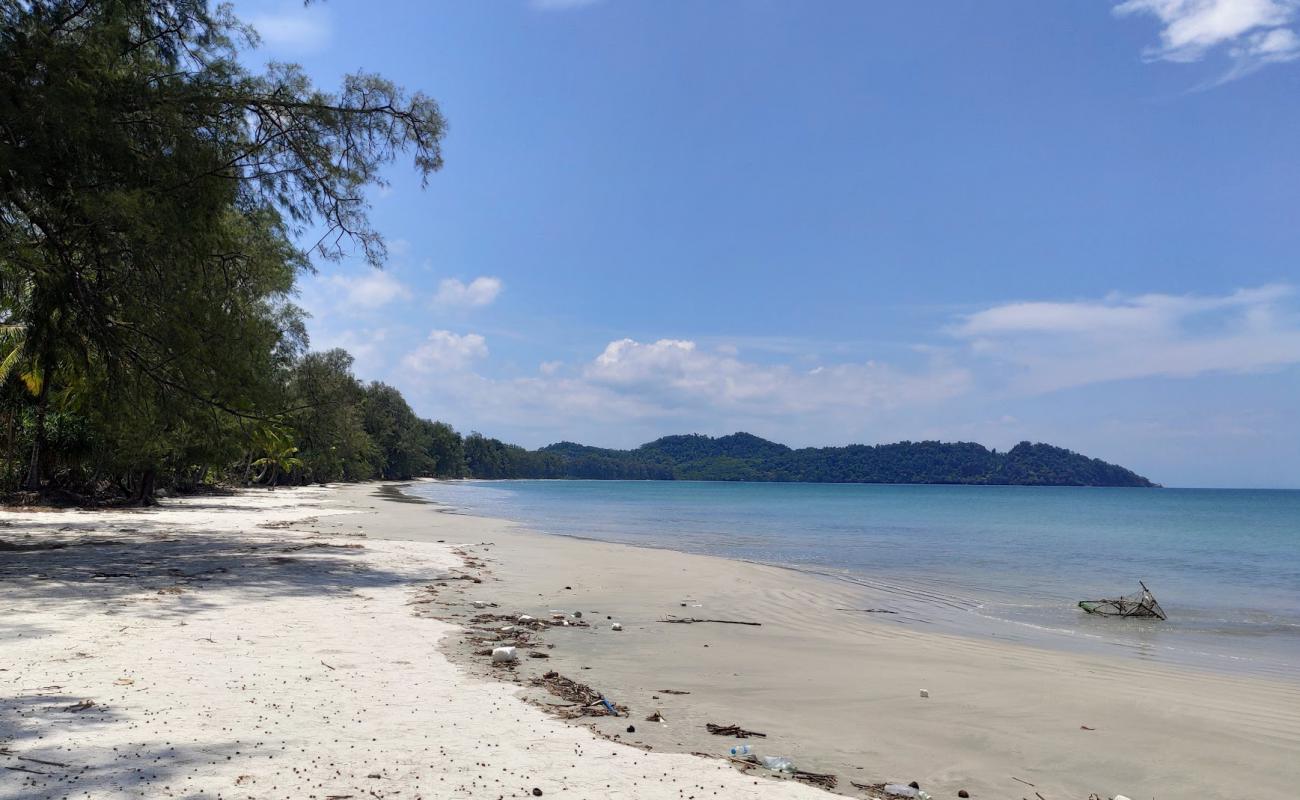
280, 454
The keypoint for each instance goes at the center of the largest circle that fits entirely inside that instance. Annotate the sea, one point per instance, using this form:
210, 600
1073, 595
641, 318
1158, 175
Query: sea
1004, 562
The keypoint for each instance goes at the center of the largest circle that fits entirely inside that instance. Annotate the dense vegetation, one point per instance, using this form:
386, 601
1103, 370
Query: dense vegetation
744, 457
152, 191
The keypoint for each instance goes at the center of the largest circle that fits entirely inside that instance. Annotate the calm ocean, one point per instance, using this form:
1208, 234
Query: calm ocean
1007, 562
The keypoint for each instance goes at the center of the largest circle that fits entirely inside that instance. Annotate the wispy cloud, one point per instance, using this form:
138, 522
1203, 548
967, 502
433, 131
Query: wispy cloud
370, 290
478, 292
1252, 33
294, 28
1049, 346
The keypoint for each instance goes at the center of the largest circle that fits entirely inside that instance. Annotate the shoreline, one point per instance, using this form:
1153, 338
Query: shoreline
1070, 723
285, 643
953, 603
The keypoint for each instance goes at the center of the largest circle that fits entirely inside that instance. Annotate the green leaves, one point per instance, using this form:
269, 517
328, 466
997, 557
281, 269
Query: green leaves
151, 188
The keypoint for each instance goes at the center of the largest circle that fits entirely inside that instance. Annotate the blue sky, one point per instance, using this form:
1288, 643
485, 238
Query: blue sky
838, 222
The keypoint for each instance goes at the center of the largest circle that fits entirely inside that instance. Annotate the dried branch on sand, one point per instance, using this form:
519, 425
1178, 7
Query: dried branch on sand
732, 730
689, 620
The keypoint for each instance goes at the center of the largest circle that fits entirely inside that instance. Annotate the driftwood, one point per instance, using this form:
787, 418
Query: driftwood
690, 620
658, 716
732, 730
82, 706
568, 689
824, 780
4, 751
671, 691
320, 545
590, 703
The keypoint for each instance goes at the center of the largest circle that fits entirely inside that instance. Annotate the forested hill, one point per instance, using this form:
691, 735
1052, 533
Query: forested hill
745, 457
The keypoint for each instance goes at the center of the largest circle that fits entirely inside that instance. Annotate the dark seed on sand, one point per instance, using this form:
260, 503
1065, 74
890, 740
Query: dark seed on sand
570, 588
537, 792
631, 729
914, 785
963, 793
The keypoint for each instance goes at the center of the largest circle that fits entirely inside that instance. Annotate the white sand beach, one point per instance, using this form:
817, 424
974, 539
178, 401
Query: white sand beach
309, 643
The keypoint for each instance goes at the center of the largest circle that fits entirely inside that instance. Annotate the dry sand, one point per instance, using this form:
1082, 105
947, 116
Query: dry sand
224, 663
225, 660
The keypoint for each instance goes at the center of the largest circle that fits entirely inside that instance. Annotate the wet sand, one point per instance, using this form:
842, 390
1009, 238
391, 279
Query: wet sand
838, 689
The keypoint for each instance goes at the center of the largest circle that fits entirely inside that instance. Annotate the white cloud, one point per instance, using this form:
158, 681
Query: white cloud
1253, 32
295, 28
446, 352
478, 292
633, 389
368, 347
673, 376
1049, 346
370, 290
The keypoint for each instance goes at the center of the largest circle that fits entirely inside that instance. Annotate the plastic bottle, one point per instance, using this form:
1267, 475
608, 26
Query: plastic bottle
901, 790
742, 749
777, 763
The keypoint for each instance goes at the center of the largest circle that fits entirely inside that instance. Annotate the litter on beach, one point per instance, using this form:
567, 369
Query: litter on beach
1138, 604
504, 655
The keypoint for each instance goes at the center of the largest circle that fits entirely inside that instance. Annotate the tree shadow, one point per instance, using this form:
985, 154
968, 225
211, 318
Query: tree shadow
32, 770
152, 571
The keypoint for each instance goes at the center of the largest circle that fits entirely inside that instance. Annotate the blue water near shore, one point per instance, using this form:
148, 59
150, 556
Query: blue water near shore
1007, 562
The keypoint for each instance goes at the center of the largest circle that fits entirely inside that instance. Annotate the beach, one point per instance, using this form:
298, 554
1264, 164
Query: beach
320, 642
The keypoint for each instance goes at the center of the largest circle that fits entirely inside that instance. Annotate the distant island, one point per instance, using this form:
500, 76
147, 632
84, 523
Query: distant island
745, 457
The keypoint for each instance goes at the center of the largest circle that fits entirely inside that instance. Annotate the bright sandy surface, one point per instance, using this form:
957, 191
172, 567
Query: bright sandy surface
225, 660
299, 674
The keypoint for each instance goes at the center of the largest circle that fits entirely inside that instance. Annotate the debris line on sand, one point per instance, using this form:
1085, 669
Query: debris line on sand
732, 730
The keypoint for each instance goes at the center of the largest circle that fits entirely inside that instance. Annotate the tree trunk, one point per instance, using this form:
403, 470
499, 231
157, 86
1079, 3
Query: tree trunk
33, 482
144, 496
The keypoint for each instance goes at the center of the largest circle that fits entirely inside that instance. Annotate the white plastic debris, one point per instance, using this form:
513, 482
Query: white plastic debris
525, 618
480, 604
504, 655
618, 626
1120, 797
507, 628
901, 790
925, 692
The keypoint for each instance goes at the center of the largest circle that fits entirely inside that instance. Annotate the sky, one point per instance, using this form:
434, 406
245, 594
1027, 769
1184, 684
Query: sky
836, 222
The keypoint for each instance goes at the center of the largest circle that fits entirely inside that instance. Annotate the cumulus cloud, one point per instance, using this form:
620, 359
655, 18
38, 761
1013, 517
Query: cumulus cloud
370, 290
632, 388
478, 292
1253, 33
294, 29
445, 351
1057, 345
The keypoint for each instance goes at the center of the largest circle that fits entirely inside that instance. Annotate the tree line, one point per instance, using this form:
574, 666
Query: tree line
745, 457
153, 195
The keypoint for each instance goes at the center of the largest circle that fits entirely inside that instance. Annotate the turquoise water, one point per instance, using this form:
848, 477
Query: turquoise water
1008, 562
